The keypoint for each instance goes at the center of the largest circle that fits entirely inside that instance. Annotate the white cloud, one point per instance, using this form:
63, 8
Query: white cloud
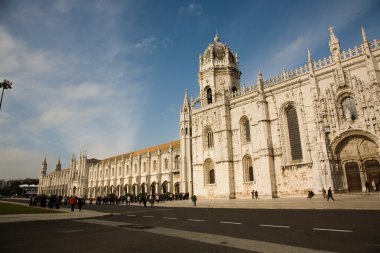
150, 44
192, 9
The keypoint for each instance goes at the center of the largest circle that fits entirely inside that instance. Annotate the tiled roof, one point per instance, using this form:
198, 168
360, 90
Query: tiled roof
153, 149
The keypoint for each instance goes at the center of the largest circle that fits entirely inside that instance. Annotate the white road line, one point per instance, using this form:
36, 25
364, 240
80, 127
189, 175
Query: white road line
169, 218
273, 226
333, 230
148, 216
230, 222
131, 215
232, 242
195, 220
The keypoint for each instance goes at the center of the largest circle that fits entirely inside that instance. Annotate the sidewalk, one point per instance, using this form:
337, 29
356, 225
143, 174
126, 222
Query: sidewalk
359, 201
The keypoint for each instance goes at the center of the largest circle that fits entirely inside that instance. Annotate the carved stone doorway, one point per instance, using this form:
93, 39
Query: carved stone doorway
357, 153
353, 177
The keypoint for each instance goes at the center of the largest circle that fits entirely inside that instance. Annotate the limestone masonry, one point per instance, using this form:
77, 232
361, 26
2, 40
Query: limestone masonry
310, 128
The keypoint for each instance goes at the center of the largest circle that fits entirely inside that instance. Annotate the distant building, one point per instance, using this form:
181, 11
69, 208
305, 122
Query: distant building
306, 129
3, 183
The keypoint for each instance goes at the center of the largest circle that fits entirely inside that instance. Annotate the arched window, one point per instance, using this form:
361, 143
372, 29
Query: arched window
154, 165
113, 171
143, 188
119, 171
144, 167
135, 169
209, 172
176, 162
208, 138
166, 165
294, 134
245, 130
248, 169
165, 187
127, 169
349, 108
209, 95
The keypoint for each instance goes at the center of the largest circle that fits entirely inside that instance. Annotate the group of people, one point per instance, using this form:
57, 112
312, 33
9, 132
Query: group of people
371, 186
255, 194
74, 200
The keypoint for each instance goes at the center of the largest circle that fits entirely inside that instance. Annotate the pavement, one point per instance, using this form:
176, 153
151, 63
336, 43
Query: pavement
359, 201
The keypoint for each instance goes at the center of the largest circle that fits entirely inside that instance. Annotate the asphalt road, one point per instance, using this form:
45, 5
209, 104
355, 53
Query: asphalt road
164, 229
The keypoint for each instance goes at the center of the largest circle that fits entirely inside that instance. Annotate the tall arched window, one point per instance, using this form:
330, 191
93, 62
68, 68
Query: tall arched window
209, 95
135, 169
166, 165
209, 172
245, 130
154, 165
349, 108
176, 162
294, 134
144, 167
208, 138
248, 169
127, 169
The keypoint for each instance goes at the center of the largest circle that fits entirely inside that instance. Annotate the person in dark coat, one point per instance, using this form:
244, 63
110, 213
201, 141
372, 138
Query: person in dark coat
194, 199
80, 203
329, 194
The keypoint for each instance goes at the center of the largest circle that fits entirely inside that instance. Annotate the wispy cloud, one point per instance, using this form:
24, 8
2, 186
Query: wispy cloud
192, 9
150, 44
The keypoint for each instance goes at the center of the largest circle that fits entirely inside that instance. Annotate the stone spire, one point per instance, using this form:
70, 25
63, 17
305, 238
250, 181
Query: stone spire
186, 104
334, 42
364, 35
58, 166
260, 83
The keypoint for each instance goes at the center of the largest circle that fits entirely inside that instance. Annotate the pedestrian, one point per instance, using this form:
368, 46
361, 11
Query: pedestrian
73, 201
194, 199
80, 203
256, 194
323, 192
151, 200
329, 194
128, 200
253, 194
374, 185
144, 200
367, 189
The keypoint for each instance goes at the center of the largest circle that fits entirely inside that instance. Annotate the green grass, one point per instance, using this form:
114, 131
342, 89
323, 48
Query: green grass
7, 208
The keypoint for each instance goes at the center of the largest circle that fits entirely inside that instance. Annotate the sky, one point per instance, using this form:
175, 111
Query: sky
109, 77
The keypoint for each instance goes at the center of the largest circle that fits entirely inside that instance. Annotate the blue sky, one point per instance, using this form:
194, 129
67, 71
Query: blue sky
109, 77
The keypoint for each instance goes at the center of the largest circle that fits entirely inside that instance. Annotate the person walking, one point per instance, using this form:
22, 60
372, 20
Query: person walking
128, 200
80, 203
329, 194
367, 189
194, 199
73, 201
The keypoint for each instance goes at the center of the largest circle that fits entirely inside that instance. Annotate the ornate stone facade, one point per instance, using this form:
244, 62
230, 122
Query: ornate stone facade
306, 129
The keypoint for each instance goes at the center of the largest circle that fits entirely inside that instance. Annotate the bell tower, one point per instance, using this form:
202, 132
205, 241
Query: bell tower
218, 72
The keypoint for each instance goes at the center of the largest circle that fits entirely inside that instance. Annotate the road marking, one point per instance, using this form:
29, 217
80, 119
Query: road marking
333, 230
230, 222
195, 220
273, 226
169, 218
148, 216
220, 240
131, 215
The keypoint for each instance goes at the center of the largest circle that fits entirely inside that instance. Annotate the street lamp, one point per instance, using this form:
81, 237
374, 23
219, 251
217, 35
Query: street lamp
5, 85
